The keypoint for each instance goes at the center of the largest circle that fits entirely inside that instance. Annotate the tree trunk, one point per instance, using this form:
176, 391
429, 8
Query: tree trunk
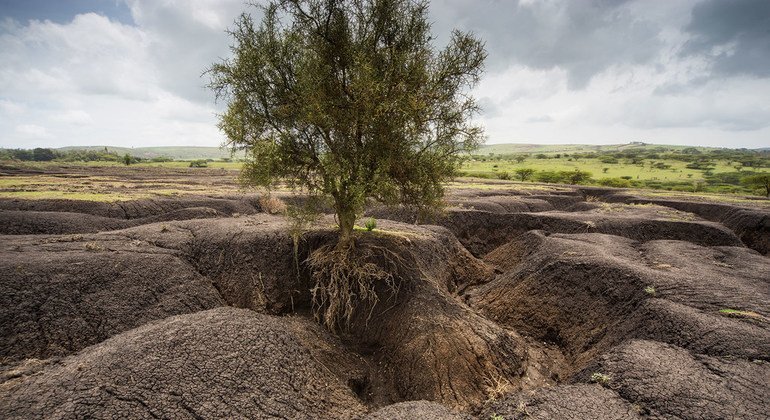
347, 219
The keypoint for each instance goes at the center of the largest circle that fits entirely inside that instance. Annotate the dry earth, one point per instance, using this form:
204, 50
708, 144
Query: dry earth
514, 302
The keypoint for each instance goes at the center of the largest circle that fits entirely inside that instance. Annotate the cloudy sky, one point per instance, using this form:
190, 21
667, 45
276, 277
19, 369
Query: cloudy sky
128, 72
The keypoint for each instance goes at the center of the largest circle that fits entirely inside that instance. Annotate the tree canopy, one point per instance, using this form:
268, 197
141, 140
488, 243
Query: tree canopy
349, 99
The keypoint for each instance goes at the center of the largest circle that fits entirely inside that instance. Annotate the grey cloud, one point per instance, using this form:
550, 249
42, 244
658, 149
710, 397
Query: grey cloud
735, 35
540, 119
582, 37
184, 44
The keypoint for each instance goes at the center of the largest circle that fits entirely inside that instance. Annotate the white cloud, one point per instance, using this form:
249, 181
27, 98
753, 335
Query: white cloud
97, 81
32, 131
559, 71
74, 116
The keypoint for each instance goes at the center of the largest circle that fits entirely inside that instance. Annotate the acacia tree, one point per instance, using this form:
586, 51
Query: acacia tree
350, 100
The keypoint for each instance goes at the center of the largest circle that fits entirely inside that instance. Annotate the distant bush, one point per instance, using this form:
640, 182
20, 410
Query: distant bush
549, 176
370, 224
200, 163
614, 182
524, 173
271, 204
576, 177
504, 175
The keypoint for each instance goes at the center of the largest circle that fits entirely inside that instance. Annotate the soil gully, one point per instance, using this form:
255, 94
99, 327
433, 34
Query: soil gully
545, 305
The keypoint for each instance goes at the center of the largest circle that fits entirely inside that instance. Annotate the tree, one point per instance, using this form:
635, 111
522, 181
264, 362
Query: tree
43, 155
520, 158
524, 173
350, 100
576, 177
760, 180
127, 159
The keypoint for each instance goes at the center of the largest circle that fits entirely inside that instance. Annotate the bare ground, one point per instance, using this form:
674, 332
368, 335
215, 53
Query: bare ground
560, 303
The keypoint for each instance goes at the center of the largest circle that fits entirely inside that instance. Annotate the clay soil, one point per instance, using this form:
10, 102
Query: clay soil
516, 301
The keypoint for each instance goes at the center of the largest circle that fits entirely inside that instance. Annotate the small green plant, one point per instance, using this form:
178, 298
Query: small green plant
650, 290
496, 417
370, 224
600, 378
200, 163
739, 314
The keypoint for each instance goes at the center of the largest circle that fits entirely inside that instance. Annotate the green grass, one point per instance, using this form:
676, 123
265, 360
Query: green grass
677, 172
173, 152
739, 314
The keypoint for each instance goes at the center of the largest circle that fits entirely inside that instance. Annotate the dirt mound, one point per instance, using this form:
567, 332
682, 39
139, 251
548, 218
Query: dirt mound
61, 294
15, 222
135, 209
221, 363
482, 232
399, 337
588, 292
416, 410
580, 401
250, 261
667, 381
461, 365
503, 204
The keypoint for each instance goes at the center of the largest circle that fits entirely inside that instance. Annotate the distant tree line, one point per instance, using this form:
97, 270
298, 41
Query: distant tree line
41, 154
697, 158
750, 175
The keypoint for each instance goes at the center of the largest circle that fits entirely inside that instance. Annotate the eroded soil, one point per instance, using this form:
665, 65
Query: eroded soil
516, 301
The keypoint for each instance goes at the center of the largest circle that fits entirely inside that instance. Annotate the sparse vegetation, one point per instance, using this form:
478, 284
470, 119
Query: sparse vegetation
271, 204
739, 313
600, 378
370, 224
628, 166
650, 290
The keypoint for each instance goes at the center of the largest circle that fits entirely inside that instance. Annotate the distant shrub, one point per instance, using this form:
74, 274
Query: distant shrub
504, 175
370, 224
524, 173
200, 163
549, 176
614, 182
271, 204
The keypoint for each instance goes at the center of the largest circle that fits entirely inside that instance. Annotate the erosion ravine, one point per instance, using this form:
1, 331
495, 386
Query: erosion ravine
514, 302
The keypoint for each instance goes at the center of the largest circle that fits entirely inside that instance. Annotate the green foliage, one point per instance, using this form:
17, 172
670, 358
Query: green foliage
127, 160
549, 176
576, 177
600, 378
614, 182
43, 155
199, 163
350, 100
504, 175
759, 181
524, 174
370, 224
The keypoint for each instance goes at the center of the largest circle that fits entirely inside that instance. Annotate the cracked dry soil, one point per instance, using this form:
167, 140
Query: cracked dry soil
513, 303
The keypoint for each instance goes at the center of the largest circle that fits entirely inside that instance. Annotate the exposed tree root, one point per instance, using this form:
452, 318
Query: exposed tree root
346, 279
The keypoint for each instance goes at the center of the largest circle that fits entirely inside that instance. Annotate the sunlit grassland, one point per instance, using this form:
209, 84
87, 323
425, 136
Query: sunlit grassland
642, 171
